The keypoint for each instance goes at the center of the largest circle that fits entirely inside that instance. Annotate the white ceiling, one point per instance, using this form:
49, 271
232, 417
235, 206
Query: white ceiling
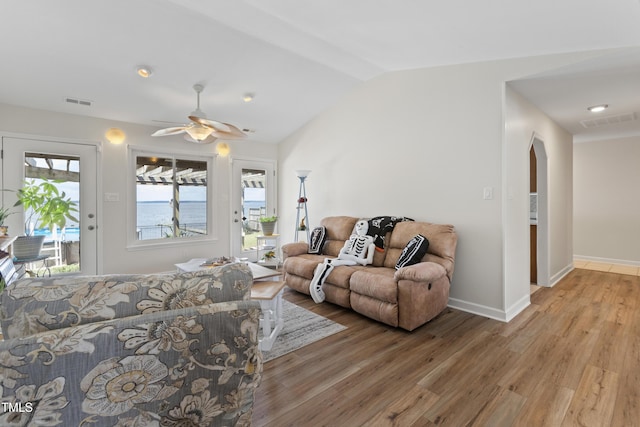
299, 56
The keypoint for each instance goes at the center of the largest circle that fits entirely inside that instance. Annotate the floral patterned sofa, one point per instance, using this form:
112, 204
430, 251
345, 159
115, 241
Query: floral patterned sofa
130, 350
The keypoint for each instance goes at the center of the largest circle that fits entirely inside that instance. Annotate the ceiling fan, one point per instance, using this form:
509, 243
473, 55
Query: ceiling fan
202, 130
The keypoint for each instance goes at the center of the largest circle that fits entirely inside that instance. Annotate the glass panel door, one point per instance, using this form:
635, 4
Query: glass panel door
254, 206
253, 198
61, 243
70, 170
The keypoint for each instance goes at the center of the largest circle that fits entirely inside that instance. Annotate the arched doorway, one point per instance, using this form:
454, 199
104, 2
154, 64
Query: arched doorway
539, 212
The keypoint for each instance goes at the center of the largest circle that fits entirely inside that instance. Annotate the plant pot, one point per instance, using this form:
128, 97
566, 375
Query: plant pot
268, 228
27, 247
4, 230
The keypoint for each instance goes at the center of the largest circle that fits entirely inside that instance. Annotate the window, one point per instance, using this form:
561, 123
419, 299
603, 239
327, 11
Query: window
172, 196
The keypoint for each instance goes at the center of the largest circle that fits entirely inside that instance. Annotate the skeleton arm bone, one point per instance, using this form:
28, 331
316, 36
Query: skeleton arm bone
359, 260
370, 252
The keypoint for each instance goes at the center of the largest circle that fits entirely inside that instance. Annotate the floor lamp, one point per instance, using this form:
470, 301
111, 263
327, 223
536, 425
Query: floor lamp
302, 203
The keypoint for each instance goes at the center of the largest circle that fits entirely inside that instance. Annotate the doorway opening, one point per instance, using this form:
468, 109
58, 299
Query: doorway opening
538, 213
254, 197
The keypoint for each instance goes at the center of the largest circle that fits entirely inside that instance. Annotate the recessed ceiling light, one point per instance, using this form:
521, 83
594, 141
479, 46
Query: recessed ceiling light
248, 97
144, 71
598, 108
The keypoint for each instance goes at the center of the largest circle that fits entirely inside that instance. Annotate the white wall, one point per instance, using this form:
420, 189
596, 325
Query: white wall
607, 200
523, 120
421, 143
116, 257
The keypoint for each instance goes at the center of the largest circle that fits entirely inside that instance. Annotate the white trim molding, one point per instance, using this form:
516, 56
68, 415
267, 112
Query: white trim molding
478, 309
606, 260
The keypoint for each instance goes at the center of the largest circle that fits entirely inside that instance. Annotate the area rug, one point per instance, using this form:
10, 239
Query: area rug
301, 327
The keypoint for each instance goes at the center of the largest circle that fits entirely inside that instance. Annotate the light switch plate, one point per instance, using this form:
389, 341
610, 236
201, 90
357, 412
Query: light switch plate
487, 193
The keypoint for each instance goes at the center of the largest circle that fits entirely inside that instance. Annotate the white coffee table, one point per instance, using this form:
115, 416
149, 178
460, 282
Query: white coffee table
259, 272
267, 292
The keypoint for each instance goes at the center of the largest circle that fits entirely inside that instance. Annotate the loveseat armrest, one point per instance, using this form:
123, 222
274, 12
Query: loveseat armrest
423, 293
294, 249
421, 272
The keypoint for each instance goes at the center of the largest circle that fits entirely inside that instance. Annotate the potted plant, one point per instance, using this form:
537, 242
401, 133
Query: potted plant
268, 224
46, 204
4, 213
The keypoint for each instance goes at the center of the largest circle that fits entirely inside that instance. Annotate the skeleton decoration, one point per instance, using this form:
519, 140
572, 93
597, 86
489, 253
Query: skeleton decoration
359, 249
381, 225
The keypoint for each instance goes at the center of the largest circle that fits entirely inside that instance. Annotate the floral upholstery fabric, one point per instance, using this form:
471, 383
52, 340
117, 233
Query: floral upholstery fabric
189, 365
197, 366
36, 305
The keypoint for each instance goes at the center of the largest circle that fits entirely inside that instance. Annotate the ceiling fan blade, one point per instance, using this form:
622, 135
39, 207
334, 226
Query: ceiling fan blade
169, 131
210, 123
207, 140
168, 122
225, 135
234, 133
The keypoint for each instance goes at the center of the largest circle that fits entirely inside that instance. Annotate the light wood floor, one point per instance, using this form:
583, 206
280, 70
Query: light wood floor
570, 359
612, 268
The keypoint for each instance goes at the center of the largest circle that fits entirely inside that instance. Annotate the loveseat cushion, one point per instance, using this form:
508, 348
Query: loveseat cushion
376, 282
304, 266
339, 228
442, 243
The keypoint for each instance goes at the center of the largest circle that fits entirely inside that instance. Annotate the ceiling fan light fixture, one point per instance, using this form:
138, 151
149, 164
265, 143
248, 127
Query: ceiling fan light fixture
202, 130
198, 132
144, 71
598, 108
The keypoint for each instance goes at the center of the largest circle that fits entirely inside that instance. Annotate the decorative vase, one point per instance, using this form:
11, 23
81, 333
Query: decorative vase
4, 230
27, 247
268, 228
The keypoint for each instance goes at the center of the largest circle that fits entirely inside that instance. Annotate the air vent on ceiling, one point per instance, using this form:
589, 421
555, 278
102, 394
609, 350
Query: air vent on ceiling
77, 101
610, 120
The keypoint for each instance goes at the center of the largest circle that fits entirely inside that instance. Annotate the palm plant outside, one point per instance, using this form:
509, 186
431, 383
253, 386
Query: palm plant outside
46, 203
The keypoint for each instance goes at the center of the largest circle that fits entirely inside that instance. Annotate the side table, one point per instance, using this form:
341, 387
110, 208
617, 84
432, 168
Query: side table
269, 293
266, 244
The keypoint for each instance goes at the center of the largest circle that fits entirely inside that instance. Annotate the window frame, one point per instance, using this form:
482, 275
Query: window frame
133, 152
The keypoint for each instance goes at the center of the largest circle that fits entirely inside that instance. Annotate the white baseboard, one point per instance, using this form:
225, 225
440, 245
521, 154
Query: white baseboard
511, 312
559, 275
606, 260
480, 310
517, 308
490, 312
